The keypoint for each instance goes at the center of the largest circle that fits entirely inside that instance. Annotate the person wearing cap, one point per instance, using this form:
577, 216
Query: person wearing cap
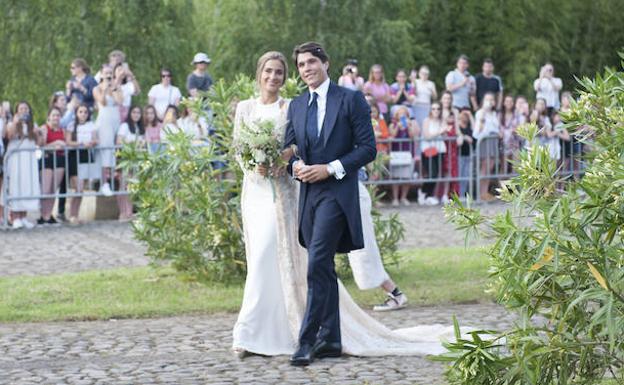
199, 80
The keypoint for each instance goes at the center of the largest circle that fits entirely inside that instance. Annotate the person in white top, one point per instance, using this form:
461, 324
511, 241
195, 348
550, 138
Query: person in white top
424, 91
164, 94
130, 132
129, 87
83, 136
350, 78
547, 87
194, 125
487, 132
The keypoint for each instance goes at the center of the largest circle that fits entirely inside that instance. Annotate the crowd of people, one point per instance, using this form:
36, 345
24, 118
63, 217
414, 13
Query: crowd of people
431, 135
425, 133
84, 123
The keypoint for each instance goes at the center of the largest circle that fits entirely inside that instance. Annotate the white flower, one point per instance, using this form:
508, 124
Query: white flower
259, 156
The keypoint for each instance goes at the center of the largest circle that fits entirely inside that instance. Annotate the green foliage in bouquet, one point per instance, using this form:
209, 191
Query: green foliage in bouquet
189, 209
557, 260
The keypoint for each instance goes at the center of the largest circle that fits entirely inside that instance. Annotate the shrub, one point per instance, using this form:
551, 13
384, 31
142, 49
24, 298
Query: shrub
557, 260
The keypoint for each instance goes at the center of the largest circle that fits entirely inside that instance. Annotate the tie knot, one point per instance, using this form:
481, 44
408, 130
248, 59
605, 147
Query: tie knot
314, 96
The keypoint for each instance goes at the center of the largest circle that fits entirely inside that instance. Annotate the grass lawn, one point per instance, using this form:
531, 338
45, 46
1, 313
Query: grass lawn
428, 276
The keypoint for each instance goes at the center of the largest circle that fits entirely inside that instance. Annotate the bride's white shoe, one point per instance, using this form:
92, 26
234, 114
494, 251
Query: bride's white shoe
240, 353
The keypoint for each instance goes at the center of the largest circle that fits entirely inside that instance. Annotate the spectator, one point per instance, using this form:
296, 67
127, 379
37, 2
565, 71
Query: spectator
82, 137
59, 101
432, 149
152, 127
377, 87
547, 87
170, 123
546, 135
350, 78
522, 109
401, 92
108, 97
81, 84
559, 135
424, 93
486, 82
461, 84
446, 103
450, 161
115, 57
573, 148
193, 125
53, 163
510, 143
22, 167
487, 132
130, 132
467, 144
402, 154
381, 130
164, 94
198, 80
126, 81
5, 111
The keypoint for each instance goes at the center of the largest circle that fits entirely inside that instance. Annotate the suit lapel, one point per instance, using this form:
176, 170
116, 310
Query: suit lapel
334, 101
300, 120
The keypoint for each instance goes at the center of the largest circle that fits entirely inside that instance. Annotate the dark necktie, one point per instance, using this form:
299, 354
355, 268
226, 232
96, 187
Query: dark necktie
311, 120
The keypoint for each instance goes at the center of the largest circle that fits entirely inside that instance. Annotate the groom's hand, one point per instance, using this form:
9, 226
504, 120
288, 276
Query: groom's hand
314, 173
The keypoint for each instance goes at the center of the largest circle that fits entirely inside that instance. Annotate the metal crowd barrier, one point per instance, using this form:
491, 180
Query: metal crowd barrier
34, 159
492, 150
418, 169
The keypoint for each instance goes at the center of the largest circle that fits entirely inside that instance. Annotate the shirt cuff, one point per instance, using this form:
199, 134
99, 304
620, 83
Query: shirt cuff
339, 171
293, 168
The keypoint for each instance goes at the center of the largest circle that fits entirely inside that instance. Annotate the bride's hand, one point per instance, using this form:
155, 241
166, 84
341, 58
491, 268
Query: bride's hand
278, 171
262, 170
287, 154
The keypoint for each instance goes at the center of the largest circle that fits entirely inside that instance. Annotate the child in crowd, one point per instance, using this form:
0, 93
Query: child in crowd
82, 137
130, 132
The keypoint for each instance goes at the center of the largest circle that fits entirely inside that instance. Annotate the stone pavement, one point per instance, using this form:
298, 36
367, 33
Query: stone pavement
195, 350
192, 349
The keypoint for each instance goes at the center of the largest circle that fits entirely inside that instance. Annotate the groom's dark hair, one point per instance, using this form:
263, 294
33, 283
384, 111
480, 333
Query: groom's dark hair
312, 47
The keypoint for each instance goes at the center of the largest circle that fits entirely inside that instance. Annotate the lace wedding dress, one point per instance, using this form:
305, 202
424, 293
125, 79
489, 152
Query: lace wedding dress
275, 289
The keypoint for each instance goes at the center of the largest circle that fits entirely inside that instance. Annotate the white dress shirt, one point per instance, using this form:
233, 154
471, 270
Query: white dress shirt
335, 168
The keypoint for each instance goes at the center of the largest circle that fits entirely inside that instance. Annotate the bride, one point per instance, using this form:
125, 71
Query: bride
275, 289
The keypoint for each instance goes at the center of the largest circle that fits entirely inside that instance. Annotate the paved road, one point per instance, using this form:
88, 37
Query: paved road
191, 349
196, 350
109, 244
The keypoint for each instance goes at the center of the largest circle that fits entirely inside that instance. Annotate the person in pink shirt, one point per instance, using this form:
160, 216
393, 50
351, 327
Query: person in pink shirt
152, 128
377, 87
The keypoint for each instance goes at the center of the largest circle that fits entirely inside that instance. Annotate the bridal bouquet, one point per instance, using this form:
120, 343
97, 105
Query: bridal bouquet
260, 143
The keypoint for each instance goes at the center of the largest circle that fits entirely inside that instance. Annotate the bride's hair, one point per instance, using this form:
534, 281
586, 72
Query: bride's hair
271, 55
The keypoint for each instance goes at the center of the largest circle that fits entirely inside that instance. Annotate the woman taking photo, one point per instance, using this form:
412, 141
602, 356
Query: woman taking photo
22, 168
81, 84
130, 132
109, 97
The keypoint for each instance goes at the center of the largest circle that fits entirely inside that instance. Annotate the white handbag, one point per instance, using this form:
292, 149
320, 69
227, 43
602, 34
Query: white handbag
401, 158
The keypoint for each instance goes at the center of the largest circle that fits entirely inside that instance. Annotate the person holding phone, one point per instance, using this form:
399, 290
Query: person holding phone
461, 84
109, 97
22, 167
81, 83
350, 78
547, 87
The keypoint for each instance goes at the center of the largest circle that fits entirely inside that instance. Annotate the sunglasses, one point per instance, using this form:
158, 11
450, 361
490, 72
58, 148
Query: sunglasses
435, 109
165, 75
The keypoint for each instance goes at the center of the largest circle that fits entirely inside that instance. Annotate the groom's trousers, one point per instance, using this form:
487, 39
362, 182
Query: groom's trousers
323, 224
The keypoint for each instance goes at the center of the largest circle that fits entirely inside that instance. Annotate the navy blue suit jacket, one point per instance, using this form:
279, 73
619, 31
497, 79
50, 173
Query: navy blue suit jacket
348, 136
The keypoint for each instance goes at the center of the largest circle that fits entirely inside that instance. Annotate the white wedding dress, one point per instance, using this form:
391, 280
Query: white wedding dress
275, 289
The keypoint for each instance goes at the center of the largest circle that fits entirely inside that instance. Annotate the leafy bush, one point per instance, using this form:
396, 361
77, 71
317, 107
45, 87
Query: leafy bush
557, 260
189, 211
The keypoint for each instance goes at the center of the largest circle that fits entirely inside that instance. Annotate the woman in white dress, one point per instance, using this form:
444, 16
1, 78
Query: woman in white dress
275, 289
108, 97
22, 168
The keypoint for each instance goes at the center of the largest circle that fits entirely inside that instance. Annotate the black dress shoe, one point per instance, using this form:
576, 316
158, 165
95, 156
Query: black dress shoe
324, 349
303, 356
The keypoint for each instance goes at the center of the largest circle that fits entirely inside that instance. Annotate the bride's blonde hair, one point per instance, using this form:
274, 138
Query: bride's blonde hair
271, 55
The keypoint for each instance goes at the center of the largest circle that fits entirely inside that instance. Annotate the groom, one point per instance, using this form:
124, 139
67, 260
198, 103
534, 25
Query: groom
332, 130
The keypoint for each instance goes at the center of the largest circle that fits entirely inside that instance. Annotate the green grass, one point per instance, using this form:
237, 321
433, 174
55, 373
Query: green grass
428, 276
